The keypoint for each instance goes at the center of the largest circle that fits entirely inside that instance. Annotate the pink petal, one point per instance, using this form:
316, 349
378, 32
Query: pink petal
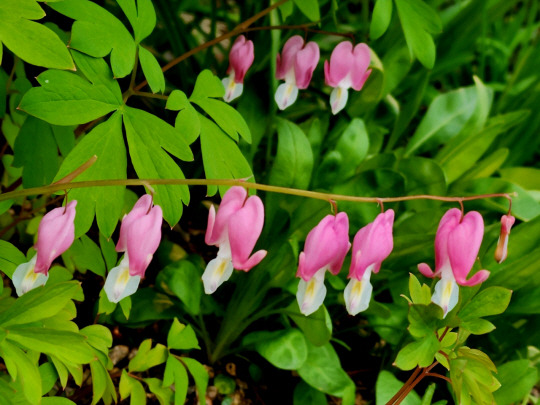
241, 57
426, 270
464, 243
232, 201
56, 233
372, 244
285, 61
326, 246
362, 59
507, 221
141, 208
478, 278
305, 63
245, 228
448, 223
341, 64
143, 237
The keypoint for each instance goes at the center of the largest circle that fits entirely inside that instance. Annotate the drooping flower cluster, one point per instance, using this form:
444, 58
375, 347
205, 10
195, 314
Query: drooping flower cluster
325, 249
56, 233
140, 234
457, 243
347, 67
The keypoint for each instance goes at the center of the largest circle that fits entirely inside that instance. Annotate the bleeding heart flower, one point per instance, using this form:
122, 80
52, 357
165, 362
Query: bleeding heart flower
325, 249
348, 67
295, 65
140, 234
235, 230
241, 57
372, 244
56, 233
457, 243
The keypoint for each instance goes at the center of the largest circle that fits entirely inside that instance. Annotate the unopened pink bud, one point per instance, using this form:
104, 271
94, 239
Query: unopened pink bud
501, 252
56, 233
241, 58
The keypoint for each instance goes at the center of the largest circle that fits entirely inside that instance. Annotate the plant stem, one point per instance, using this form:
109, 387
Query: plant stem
240, 28
52, 188
409, 381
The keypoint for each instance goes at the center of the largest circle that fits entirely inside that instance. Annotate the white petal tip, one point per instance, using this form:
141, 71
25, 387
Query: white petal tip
25, 279
286, 95
232, 89
357, 295
216, 273
120, 284
310, 295
446, 295
338, 99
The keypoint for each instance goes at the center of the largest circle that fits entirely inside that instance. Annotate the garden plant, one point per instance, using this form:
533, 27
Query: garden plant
270, 202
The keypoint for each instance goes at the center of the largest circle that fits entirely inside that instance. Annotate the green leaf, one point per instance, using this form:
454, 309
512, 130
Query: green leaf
27, 372
491, 301
36, 150
108, 251
98, 72
147, 358
423, 319
222, 158
526, 177
151, 161
445, 117
294, 159
97, 32
152, 70
207, 85
182, 337
176, 373
40, 303
420, 293
163, 394
67, 99
388, 385
48, 377
84, 255
125, 306
517, 379
200, 375
353, 147
310, 8
99, 337
10, 258
306, 395
459, 155
102, 385
317, 327
56, 401
105, 141
67, 346
418, 21
322, 370
182, 279
187, 121
477, 326
421, 352
285, 349
487, 166
32, 42
142, 17
382, 14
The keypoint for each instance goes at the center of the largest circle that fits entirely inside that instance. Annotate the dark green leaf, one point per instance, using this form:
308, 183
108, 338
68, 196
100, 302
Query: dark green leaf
10, 258
491, 301
294, 160
388, 385
84, 255
317, 327
382, 14
517, 379
285, 349
322, 370
310, 8
182, 279
306, 395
